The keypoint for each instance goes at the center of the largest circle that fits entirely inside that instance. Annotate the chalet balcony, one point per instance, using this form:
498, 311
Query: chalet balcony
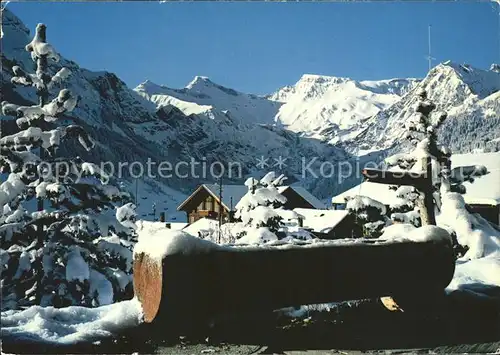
207, 214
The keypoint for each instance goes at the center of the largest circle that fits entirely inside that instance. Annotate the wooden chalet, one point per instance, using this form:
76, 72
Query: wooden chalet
205, 202
327, 224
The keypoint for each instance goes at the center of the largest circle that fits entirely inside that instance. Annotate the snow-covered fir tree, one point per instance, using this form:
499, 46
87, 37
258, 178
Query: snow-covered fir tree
369, 217
78, 249
447, 183
405, 210
422, 133
262, 215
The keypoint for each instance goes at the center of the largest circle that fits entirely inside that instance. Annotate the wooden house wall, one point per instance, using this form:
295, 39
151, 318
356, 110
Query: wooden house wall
489, 212
202, 205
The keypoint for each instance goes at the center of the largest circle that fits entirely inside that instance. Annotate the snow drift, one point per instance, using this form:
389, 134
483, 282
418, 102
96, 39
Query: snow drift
70, 325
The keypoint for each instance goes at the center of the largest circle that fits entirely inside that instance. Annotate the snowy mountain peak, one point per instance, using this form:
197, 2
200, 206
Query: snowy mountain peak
320, 79
467, 94
205, 86
149, 87
149, 83
198, 80
478, 81
202, 95
323, 106
495, 67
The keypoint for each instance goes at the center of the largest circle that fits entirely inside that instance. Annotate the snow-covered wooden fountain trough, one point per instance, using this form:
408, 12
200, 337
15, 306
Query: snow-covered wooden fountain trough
181, 278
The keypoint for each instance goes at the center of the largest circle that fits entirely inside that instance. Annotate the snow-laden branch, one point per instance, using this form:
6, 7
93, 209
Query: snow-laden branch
38, 46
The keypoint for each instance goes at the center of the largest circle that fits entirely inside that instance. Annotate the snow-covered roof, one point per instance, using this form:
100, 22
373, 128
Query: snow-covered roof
232, 194
322, 221
376, 191
485, 190
306, 195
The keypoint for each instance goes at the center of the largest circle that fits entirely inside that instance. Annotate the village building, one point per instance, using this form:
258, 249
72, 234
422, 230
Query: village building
205, 201
482, 195
326, 224
376, 191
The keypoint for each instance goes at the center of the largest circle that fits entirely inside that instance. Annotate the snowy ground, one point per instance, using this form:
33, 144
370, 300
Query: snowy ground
70, 325
155, 194
465, 328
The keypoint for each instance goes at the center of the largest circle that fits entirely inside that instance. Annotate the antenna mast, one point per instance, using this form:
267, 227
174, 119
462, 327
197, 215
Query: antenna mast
429, 57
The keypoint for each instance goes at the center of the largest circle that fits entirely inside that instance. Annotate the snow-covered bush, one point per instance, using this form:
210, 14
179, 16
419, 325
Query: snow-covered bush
405, 210
76, 248
369, 216
262, 215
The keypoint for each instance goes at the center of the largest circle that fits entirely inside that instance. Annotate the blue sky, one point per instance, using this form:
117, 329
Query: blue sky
259, 47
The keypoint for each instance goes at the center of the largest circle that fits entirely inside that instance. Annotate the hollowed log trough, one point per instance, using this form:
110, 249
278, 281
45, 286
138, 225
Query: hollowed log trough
182, 289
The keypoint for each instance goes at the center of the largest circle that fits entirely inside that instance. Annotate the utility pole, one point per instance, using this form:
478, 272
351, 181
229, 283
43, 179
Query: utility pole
498, 7
231, 211
136, 190
220, 211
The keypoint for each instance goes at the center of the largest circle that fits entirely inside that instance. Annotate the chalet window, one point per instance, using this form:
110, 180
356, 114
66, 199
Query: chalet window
216, 206
209, 203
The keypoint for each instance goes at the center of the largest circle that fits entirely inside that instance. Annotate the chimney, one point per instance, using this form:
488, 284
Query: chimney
301, 222
168, 225
162, 216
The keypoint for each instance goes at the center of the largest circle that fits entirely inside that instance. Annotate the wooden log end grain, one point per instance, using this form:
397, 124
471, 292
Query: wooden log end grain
148, 282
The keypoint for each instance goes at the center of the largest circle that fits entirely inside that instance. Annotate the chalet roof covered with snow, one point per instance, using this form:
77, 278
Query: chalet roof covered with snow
306, 195
376, 191
232, 194
321, 221
485, 190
